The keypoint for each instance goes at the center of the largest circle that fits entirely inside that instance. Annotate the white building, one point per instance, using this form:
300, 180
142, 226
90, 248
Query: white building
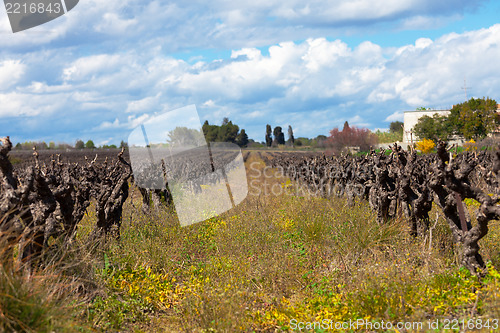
410, 120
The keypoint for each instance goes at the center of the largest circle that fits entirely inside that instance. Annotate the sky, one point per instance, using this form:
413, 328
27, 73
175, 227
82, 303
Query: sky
105, 67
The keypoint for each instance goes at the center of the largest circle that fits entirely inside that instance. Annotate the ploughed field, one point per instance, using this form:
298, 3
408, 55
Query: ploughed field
384, 239
21, 158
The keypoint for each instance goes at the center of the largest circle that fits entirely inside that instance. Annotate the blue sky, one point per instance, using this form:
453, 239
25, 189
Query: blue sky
106, 66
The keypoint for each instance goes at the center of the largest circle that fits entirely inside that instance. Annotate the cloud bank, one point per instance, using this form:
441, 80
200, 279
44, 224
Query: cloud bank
123, 70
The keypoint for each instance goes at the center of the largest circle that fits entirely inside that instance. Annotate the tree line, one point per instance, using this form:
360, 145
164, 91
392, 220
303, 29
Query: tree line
472, 120
338, 140
279, 136
79, 144
226, 132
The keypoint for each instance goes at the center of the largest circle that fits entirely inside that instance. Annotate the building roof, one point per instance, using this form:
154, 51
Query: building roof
432, 111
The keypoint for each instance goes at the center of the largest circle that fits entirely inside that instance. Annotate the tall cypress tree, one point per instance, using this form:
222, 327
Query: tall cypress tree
291, 139
269, 138
279, 137
242, 138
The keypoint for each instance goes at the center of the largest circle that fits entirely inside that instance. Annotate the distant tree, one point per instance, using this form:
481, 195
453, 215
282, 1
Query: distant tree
475, 118
302, 141
185, 137
109, 146
123, 144
291, 139
64, 146
242, 139
269, 138
279, 136
346, 126
79, 144
227, 131
18, 146
90, 144
52, 145
28, 145
351, 137
255, 144
210, 131
396, 127
389, 137
434, 128
319, 142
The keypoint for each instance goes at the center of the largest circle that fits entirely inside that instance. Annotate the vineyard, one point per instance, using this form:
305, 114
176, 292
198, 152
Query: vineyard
384, 236
407, 184
43, 200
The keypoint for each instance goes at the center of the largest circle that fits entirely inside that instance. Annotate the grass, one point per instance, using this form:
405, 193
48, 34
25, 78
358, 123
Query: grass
272, 261
50, 298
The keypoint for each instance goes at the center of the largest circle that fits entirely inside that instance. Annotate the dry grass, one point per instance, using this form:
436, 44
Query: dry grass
272, 259
51, 297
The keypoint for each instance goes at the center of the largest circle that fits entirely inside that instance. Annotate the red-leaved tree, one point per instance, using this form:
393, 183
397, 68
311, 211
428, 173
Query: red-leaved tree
351, 137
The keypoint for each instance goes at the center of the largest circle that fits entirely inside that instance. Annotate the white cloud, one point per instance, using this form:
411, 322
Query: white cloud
255, 114
114, 25
43, 88
107, 124
314, 85
422, 43
396, 116
431, 73
323, 53
136, 121
358, 121
14, 104
10, 73
427, 22
249, 53
85, 68
181, 25
209, 103
146, 104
